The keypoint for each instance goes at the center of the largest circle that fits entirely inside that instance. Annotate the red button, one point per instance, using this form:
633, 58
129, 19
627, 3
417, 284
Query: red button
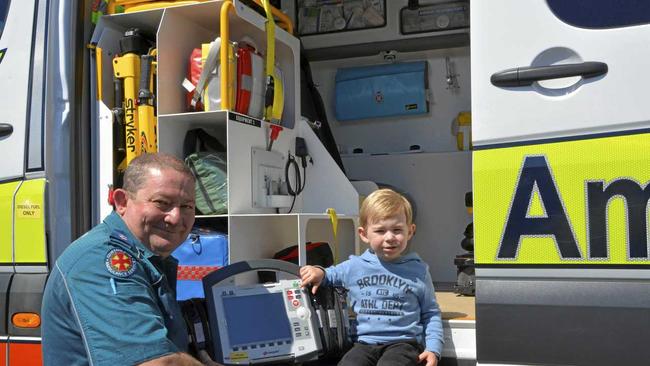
296, 303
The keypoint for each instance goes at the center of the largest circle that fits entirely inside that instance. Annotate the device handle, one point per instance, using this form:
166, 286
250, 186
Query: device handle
251, 265
6, 129
145, 94
526, 76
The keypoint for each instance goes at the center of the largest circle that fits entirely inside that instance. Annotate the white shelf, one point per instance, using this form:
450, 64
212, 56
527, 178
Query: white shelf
253, 232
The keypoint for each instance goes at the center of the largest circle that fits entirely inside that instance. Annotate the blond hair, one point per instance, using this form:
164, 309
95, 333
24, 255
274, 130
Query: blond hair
384, 203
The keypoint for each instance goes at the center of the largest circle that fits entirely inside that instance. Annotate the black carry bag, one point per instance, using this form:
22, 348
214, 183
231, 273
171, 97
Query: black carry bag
466, 276
318, 254
206, 157
331, 307
198, 327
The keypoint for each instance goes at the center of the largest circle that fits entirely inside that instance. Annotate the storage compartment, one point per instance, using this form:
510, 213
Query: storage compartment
254, 231
419, 156
339, 16
367, 41
398, 89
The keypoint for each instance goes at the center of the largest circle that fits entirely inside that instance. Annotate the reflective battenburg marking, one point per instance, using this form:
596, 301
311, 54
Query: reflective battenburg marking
571, 202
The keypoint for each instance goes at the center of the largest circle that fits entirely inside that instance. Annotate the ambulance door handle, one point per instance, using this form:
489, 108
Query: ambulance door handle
526, 76
6, 129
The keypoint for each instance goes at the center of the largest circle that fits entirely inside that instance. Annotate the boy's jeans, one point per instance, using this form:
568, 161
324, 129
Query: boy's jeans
403, 353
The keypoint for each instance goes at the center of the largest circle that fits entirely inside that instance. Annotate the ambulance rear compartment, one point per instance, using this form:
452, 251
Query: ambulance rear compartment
418, 155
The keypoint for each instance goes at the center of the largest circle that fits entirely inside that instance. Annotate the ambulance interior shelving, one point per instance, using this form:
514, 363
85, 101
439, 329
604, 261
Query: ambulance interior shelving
417, 155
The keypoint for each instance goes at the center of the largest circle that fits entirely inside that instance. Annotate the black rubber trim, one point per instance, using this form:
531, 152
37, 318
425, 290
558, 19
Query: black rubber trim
246, 266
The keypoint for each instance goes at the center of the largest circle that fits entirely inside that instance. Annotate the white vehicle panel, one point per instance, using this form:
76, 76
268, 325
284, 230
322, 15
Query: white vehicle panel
527, 33
16, 40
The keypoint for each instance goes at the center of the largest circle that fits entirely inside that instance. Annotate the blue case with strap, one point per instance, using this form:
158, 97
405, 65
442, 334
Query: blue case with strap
381, 91
202, 252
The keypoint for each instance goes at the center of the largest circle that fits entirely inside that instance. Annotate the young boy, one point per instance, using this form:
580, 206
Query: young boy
398, 319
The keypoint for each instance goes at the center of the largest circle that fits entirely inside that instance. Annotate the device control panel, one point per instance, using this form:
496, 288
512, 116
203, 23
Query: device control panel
263, 323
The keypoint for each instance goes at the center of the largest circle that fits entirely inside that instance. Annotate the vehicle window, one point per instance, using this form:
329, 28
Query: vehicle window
601, 13
4, 9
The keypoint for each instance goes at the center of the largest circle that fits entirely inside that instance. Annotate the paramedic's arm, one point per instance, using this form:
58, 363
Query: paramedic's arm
431, 321
180, 359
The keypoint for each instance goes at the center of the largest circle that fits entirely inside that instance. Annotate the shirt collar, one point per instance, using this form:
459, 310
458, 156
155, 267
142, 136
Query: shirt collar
117, 226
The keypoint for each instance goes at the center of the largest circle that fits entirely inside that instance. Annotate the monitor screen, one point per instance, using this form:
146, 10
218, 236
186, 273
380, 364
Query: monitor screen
256, 318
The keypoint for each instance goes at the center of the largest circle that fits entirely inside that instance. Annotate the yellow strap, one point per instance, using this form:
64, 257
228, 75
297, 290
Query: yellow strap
335, 223
270, 39
98, 66
270, 52
283, 19
224, 29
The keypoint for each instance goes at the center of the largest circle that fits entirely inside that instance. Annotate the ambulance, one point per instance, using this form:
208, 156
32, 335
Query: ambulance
536, 107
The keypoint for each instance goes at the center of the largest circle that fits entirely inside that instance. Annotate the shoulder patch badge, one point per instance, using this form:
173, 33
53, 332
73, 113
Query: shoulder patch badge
119, 263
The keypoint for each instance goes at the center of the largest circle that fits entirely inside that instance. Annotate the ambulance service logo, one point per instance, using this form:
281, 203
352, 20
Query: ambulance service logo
119, 263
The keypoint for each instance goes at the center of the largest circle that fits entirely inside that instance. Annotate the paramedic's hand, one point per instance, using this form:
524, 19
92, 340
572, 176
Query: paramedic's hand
429, 357
311, 275
206, 359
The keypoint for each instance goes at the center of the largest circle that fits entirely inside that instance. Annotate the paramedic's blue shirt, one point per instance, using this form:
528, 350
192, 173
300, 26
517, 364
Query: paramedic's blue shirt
110, 301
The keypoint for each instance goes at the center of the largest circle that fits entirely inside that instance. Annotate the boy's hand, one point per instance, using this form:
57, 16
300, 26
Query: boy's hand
311, 275
429, 357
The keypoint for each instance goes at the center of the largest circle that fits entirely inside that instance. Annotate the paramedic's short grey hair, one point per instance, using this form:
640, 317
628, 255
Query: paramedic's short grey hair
137, 173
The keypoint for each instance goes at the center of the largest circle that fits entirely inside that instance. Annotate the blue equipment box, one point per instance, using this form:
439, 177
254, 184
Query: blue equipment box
381, 91
202, 252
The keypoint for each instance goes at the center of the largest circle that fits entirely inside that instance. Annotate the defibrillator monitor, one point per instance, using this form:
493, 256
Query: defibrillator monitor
261, 323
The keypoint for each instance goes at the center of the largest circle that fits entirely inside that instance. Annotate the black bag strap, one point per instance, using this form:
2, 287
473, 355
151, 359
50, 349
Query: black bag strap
197, 140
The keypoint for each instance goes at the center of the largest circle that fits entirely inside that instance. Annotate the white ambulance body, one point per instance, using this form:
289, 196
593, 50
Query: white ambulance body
561, 182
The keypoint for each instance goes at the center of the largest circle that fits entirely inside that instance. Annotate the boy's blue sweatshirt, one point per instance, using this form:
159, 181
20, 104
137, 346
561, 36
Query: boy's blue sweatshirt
393, 300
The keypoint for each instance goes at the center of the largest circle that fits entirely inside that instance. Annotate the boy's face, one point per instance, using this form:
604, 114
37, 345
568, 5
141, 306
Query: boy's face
388, 237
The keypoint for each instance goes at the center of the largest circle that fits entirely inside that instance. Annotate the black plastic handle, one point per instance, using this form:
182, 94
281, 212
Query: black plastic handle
252, 265
6, 129
526, 76
145, 94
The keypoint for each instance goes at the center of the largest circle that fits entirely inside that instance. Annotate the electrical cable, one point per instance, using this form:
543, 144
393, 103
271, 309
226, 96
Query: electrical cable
300, 180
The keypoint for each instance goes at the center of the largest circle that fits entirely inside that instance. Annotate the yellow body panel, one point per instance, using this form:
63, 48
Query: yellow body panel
578, 172
7, 191
29, 241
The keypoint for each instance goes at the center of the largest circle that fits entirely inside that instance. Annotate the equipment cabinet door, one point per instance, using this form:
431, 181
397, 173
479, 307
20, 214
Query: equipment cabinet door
16, 31
561, 180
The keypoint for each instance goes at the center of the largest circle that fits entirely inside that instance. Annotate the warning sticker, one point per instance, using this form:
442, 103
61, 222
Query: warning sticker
28, 210
238, 356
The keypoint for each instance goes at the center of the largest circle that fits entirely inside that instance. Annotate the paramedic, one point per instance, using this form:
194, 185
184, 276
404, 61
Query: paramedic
110, 298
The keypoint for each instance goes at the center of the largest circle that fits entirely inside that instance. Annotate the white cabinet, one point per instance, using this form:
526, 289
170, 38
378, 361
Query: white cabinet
254, 231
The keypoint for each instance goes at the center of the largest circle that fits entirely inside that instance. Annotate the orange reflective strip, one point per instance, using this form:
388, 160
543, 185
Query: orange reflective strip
3, 353
25, 354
